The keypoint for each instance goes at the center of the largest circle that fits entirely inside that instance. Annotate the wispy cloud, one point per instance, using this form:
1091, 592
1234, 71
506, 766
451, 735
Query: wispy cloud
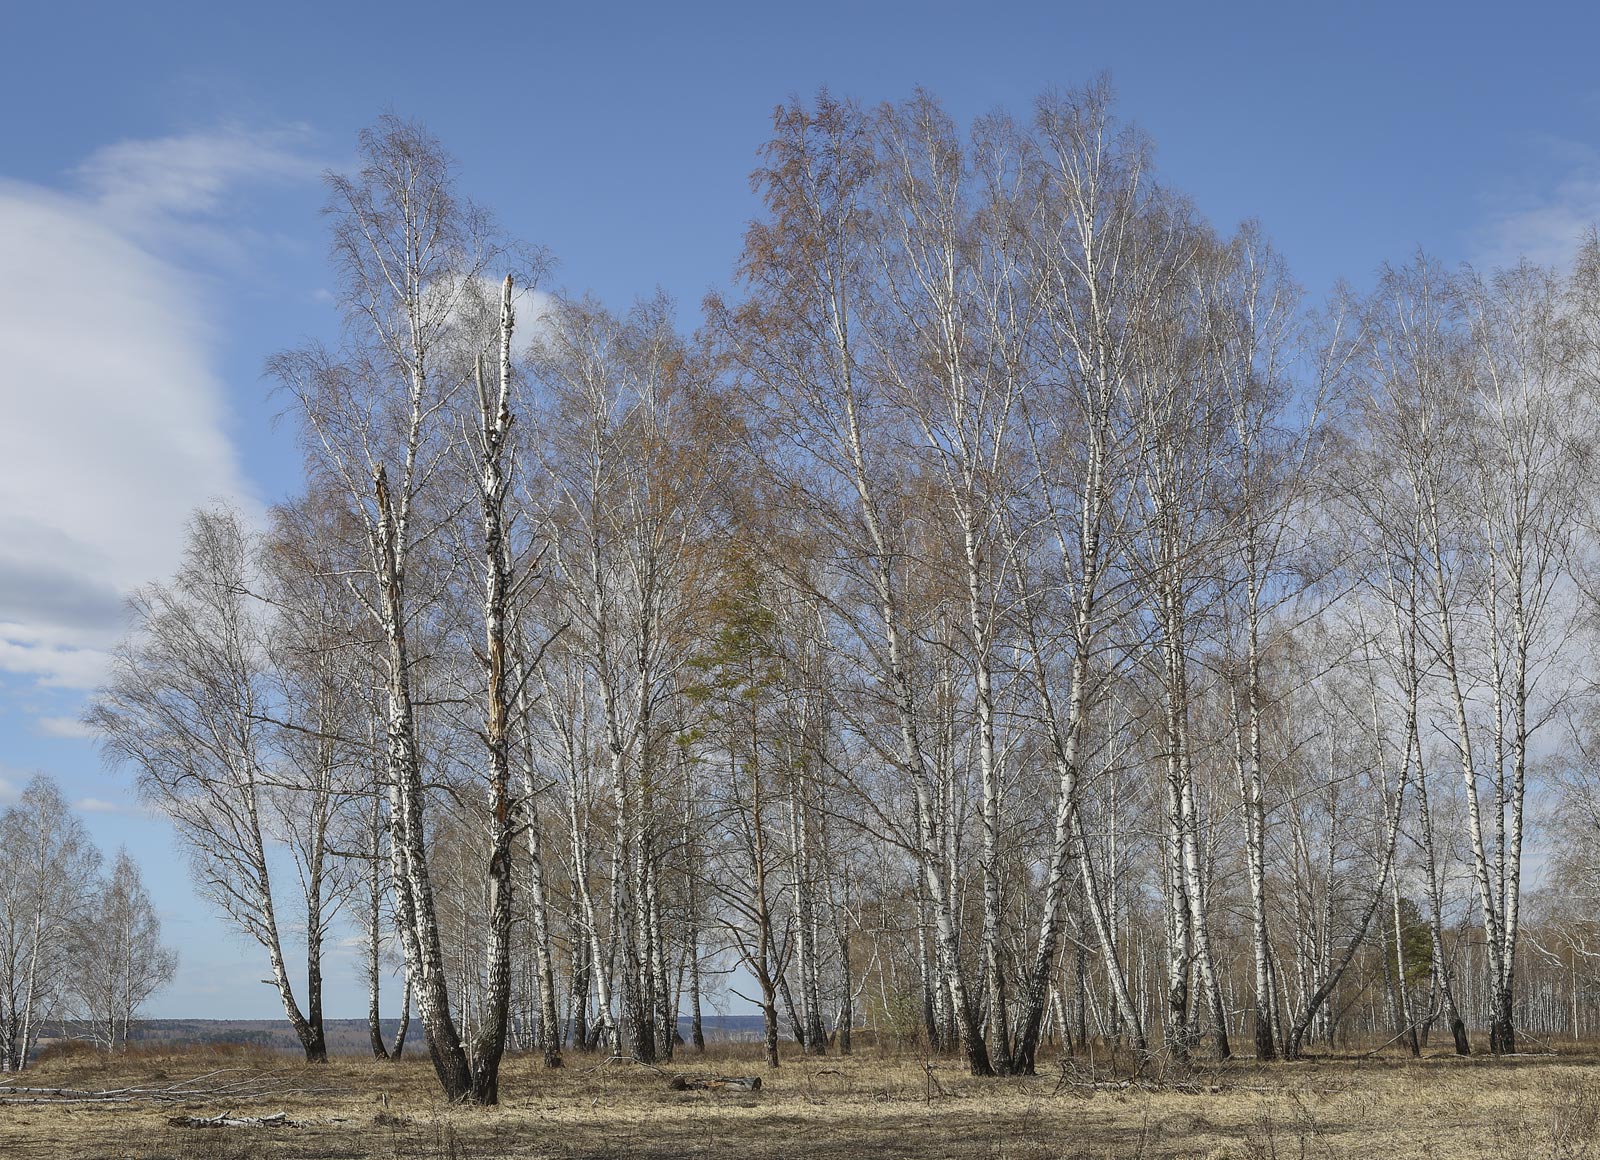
121, 430
1544, 215
192, 174
64, 727
94, 805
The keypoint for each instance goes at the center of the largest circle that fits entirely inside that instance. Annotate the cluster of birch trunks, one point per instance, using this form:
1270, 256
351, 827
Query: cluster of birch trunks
1015, 615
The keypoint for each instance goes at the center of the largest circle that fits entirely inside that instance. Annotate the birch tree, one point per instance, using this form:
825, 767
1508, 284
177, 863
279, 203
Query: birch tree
119, 960
48, 869
195, 707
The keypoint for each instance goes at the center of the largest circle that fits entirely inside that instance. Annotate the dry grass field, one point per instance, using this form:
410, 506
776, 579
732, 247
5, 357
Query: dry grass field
1545, 1106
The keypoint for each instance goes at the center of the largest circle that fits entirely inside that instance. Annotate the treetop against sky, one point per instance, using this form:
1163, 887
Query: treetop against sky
159, 210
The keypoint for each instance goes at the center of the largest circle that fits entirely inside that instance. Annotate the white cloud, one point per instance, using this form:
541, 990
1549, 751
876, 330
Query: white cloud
532, 310
9, 791
65, 727
115, 419
45, 652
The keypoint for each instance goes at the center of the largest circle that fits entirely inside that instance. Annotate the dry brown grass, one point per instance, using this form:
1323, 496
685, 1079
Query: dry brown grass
1545, 1107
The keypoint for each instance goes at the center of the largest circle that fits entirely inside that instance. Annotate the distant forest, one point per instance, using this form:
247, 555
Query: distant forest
344, 1036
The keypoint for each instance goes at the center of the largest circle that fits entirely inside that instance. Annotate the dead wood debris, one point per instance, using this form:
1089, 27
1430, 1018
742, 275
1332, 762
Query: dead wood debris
229, 1120
230, 1084
715, 1083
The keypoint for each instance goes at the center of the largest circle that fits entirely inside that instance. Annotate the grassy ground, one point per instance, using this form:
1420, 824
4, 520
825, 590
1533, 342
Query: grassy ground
867, 1105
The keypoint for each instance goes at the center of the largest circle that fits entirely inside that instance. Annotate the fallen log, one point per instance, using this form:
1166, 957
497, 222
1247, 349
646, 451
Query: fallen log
228, 1120
715, 1083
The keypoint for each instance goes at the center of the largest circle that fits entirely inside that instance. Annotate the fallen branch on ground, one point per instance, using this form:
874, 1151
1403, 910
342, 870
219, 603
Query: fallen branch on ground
228, 1120
715, 1083
224, 1084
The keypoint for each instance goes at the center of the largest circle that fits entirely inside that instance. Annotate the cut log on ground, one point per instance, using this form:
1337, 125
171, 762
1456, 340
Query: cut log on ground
715, 1083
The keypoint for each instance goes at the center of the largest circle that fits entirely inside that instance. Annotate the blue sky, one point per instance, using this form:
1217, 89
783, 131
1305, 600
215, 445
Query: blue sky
159, 229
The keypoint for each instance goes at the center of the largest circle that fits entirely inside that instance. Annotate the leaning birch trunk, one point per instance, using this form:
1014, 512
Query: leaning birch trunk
837, 283
965, 420
1065, 739
1091, 286
406, 251
1400, 999
1295, 1034
405, 1019
913, 757
419, 922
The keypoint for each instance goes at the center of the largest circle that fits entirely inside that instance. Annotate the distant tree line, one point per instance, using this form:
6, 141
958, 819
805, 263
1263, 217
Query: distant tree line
1015, 616
75, 943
